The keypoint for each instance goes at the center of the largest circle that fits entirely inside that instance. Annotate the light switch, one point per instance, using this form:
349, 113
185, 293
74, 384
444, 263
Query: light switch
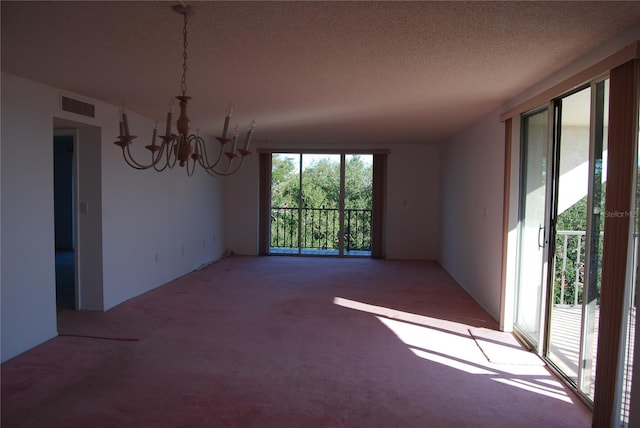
84, 208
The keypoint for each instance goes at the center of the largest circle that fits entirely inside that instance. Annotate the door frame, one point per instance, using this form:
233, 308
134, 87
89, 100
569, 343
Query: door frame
87, 171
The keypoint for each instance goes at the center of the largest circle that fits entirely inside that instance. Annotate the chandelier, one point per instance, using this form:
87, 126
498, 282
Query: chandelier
186, 149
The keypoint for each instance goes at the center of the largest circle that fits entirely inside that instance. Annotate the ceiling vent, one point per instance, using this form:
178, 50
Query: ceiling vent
78, 107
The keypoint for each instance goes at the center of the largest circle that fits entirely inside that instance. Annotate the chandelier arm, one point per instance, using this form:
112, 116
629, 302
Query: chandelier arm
133, 163
162, 153
207, 163
233, 171
171, 153
228, 171
193, 168
212, 168
201, 148
154, 158
164, 150
209, 170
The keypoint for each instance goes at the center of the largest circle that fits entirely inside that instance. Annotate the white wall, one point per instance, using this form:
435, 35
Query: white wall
241, 208
142, 213
28, 266
472, 195
413, 198
413, 202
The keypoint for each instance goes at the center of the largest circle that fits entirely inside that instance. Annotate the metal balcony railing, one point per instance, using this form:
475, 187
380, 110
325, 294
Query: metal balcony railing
570, 266
319, 228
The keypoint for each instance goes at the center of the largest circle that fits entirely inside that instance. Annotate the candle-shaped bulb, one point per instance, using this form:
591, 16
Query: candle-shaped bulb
167, 132
236, 133
155, 134
125, 121
252, 127
227, 118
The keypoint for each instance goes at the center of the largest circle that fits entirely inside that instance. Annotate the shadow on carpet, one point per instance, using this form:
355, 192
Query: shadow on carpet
107, 325
503, 348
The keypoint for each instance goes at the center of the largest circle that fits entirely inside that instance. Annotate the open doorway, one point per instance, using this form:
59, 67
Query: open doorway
77, 216
64, 219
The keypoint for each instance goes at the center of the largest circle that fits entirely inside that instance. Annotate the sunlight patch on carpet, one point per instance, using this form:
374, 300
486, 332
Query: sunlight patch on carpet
558, 393
503, 348
476, 351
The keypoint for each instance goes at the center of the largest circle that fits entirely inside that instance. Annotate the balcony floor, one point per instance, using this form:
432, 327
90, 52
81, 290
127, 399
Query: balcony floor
565, 339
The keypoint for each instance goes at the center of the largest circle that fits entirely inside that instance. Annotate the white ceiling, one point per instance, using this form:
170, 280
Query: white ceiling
309, 72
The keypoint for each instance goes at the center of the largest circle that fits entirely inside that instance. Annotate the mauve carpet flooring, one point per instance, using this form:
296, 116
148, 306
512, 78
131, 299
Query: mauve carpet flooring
290, 342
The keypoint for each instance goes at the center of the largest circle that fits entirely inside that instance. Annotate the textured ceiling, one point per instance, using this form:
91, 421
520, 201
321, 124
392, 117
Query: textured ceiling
309, 72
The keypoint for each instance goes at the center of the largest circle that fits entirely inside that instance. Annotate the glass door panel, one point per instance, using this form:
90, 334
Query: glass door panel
571, 225
532, 254
285, 203
320, 207
578, 219
358, 191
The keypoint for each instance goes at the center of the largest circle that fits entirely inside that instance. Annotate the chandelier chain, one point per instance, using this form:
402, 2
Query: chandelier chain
184, 57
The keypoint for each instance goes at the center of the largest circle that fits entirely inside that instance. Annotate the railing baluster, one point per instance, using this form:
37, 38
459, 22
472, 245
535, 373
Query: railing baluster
275, 220
577, 281
564, 269
337, 229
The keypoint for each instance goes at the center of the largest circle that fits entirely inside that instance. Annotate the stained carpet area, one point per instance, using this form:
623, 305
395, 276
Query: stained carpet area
288, 342
113, 325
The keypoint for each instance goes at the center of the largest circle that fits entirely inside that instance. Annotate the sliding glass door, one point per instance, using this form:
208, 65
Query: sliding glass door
533, 228
563, 164
321, 204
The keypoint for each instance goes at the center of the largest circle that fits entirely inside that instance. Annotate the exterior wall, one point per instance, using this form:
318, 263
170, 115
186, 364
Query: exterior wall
413, 201
132, 215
